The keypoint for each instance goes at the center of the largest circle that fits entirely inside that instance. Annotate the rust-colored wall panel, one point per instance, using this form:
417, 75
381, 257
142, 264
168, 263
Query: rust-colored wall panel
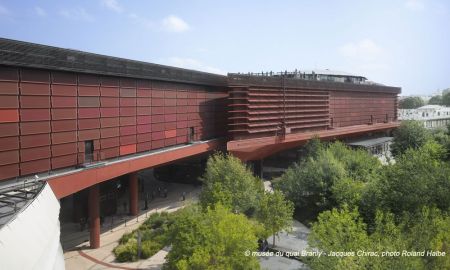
127, 102
34, 89
28, 128
34, 140
170, 117
170, 125
158, 119
9, 129
144, 102
158, 135
170, 142
9, 157
110, 81
144, 110
109, 122
9, 73
157, 102
128, 111
182, 139
109, 132
8, 116
109, 142
144, 128
157, 110
63, 114
34, 114
9, 143
34, 102
88, 123
64, 125
127, 130
109, 102
127, 149
157, 93
91, 134
109, 91
64, 77
156, 144
35, 75
109, 112
9, 171
145, 146
110, 152
88, 102
8, 102
127, 92
87, 79
88, 90
35, 153
88, 113
64, 90
64, 161
170, 133
170, 110
64, 149
157, 127
130, 139
144, 119
64, 137
127, 120
64, 102
144, 137
9, 88
182, 131
34, 166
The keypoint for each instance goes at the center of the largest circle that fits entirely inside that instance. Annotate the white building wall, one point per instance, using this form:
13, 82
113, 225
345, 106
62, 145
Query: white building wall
31, 239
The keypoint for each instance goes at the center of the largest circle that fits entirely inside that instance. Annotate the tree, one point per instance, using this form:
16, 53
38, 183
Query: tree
435, 100
446, 99
229, 182
410, 134
275, 212
411, 103
212, 239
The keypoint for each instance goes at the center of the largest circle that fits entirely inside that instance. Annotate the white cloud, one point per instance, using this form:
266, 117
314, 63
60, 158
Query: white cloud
40, 11
173, 23
415, 5
365, 50
77, 14
112, 5
191, 63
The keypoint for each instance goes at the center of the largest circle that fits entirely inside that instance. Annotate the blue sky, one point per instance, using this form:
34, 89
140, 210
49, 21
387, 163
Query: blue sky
403, 43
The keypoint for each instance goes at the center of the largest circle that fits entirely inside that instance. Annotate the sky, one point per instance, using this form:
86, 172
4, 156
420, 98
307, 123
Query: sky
403, 43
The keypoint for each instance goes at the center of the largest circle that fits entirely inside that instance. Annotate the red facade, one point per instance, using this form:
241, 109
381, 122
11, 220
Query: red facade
47, 116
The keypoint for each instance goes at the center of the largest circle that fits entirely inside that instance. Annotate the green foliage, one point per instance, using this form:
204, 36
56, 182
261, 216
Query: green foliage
435, 100
446, 99
154, 236
227, 181
411, 103
313, 147
410, 134
212, 239
427, 230
335, 174
275, 212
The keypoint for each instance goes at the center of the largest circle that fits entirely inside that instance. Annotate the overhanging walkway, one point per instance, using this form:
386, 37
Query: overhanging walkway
258, 148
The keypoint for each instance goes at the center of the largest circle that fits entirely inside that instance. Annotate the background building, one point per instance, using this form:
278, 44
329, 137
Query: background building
432, 116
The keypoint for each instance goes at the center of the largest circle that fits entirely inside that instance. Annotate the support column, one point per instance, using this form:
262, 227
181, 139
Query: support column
94, 216
134, 211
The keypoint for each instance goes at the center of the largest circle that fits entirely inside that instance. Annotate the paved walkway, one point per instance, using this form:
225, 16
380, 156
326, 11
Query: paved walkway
82, 257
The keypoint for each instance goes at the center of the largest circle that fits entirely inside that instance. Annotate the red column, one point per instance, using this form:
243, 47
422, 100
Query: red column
133, 194
94, 216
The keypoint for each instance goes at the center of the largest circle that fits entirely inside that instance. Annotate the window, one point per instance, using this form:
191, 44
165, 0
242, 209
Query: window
88, 151
191, 134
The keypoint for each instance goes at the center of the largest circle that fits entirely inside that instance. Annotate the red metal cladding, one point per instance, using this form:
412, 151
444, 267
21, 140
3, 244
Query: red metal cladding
9, 88
89, 102
127, 149
34, 102
144, 137
9, 157
88, 123
64, 90
130, 139
63, 114
9, 143
127, 130
34, 114
64, 137
170, 125
64, 161
144, 128
143, 101
9, 115
64, 77
157, 127
8, 102
127, 102
144, 119
110, 152
128, 111
64, 149
109, 142
35, 153
28, 128
170, 141
64, 102
109, 122
88, 113
170, 133
170, 117
109, 112
144, 110
109, 91
128, 121
158, 135
35, 75
157, 110
64, 125
88, 90
8, 129
127, 92
109, 132
109, 102
36, 140
91, 134
9, 74
156, 144
170, 110
9, 171
35, 166
37, 89
87, 79
158, 119
143, 92
144, 146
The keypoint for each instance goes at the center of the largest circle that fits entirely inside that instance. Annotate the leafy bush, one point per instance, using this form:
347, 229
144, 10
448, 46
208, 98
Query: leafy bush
126, 252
